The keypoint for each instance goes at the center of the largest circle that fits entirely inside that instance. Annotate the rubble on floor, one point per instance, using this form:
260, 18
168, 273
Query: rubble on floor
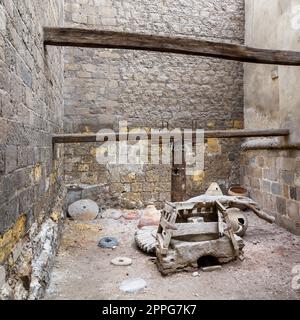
266, 272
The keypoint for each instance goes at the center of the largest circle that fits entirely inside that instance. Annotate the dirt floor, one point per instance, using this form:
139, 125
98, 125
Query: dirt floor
83, 270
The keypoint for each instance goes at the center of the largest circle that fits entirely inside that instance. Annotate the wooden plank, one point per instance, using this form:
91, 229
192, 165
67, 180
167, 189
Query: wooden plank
76, 138
220, 224
179, 45
185, 229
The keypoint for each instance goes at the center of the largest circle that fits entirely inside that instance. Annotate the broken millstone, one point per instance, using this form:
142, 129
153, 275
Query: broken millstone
121, 261
108, 242
83, 210
133, 285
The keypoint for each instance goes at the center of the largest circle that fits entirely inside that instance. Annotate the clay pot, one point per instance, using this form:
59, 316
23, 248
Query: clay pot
239, 221
238, 191
132, 215
150, 217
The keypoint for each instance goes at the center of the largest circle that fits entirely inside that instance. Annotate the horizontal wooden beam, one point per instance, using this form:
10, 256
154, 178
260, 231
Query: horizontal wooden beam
134, 41
82, 138
246, 133
270, 144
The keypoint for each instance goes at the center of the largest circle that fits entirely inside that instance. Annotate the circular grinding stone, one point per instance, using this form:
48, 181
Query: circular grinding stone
121, 261
108, 242
83, 210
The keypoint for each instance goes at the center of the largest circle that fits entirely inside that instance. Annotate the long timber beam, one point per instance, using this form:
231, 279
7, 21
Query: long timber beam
76, 37
247, 133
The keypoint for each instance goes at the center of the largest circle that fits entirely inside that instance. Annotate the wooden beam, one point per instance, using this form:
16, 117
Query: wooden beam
246, 133
78, 138
134, 41
269, 144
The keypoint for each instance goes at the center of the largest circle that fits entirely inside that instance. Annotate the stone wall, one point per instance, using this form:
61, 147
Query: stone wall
31, 109
147, 89
272, 100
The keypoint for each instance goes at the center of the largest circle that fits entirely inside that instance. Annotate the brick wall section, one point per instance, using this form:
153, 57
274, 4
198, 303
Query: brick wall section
274, 180
31, 109
105, 86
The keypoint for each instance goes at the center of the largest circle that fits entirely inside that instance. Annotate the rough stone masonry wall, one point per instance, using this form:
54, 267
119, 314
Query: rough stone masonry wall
145, 89
31, 109
272, 100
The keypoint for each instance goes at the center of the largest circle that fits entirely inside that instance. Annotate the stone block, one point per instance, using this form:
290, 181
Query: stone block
107, 11
284, 163
254, 182
152, 176
83, 168
260, 161
79, 18
26, 199
281, 205
270, 174
293, 193
269, 202
266, 186
276, 188
213, 145
287, 177
10, 159
26, 75
293, 210
136, 187
11, 237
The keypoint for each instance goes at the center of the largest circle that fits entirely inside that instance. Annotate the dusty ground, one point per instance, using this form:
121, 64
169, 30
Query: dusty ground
83, 270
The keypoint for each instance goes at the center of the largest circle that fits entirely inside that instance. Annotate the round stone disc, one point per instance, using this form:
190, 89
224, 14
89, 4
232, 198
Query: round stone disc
121, 261
83, 210
108, 242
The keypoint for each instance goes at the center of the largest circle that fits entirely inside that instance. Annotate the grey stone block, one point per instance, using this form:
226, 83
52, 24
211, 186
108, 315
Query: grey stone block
281, 205
287, 177
276, 188
10, 159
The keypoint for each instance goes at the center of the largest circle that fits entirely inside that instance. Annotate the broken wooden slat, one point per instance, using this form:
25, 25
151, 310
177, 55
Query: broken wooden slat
220, 224
179, 45
76, 138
